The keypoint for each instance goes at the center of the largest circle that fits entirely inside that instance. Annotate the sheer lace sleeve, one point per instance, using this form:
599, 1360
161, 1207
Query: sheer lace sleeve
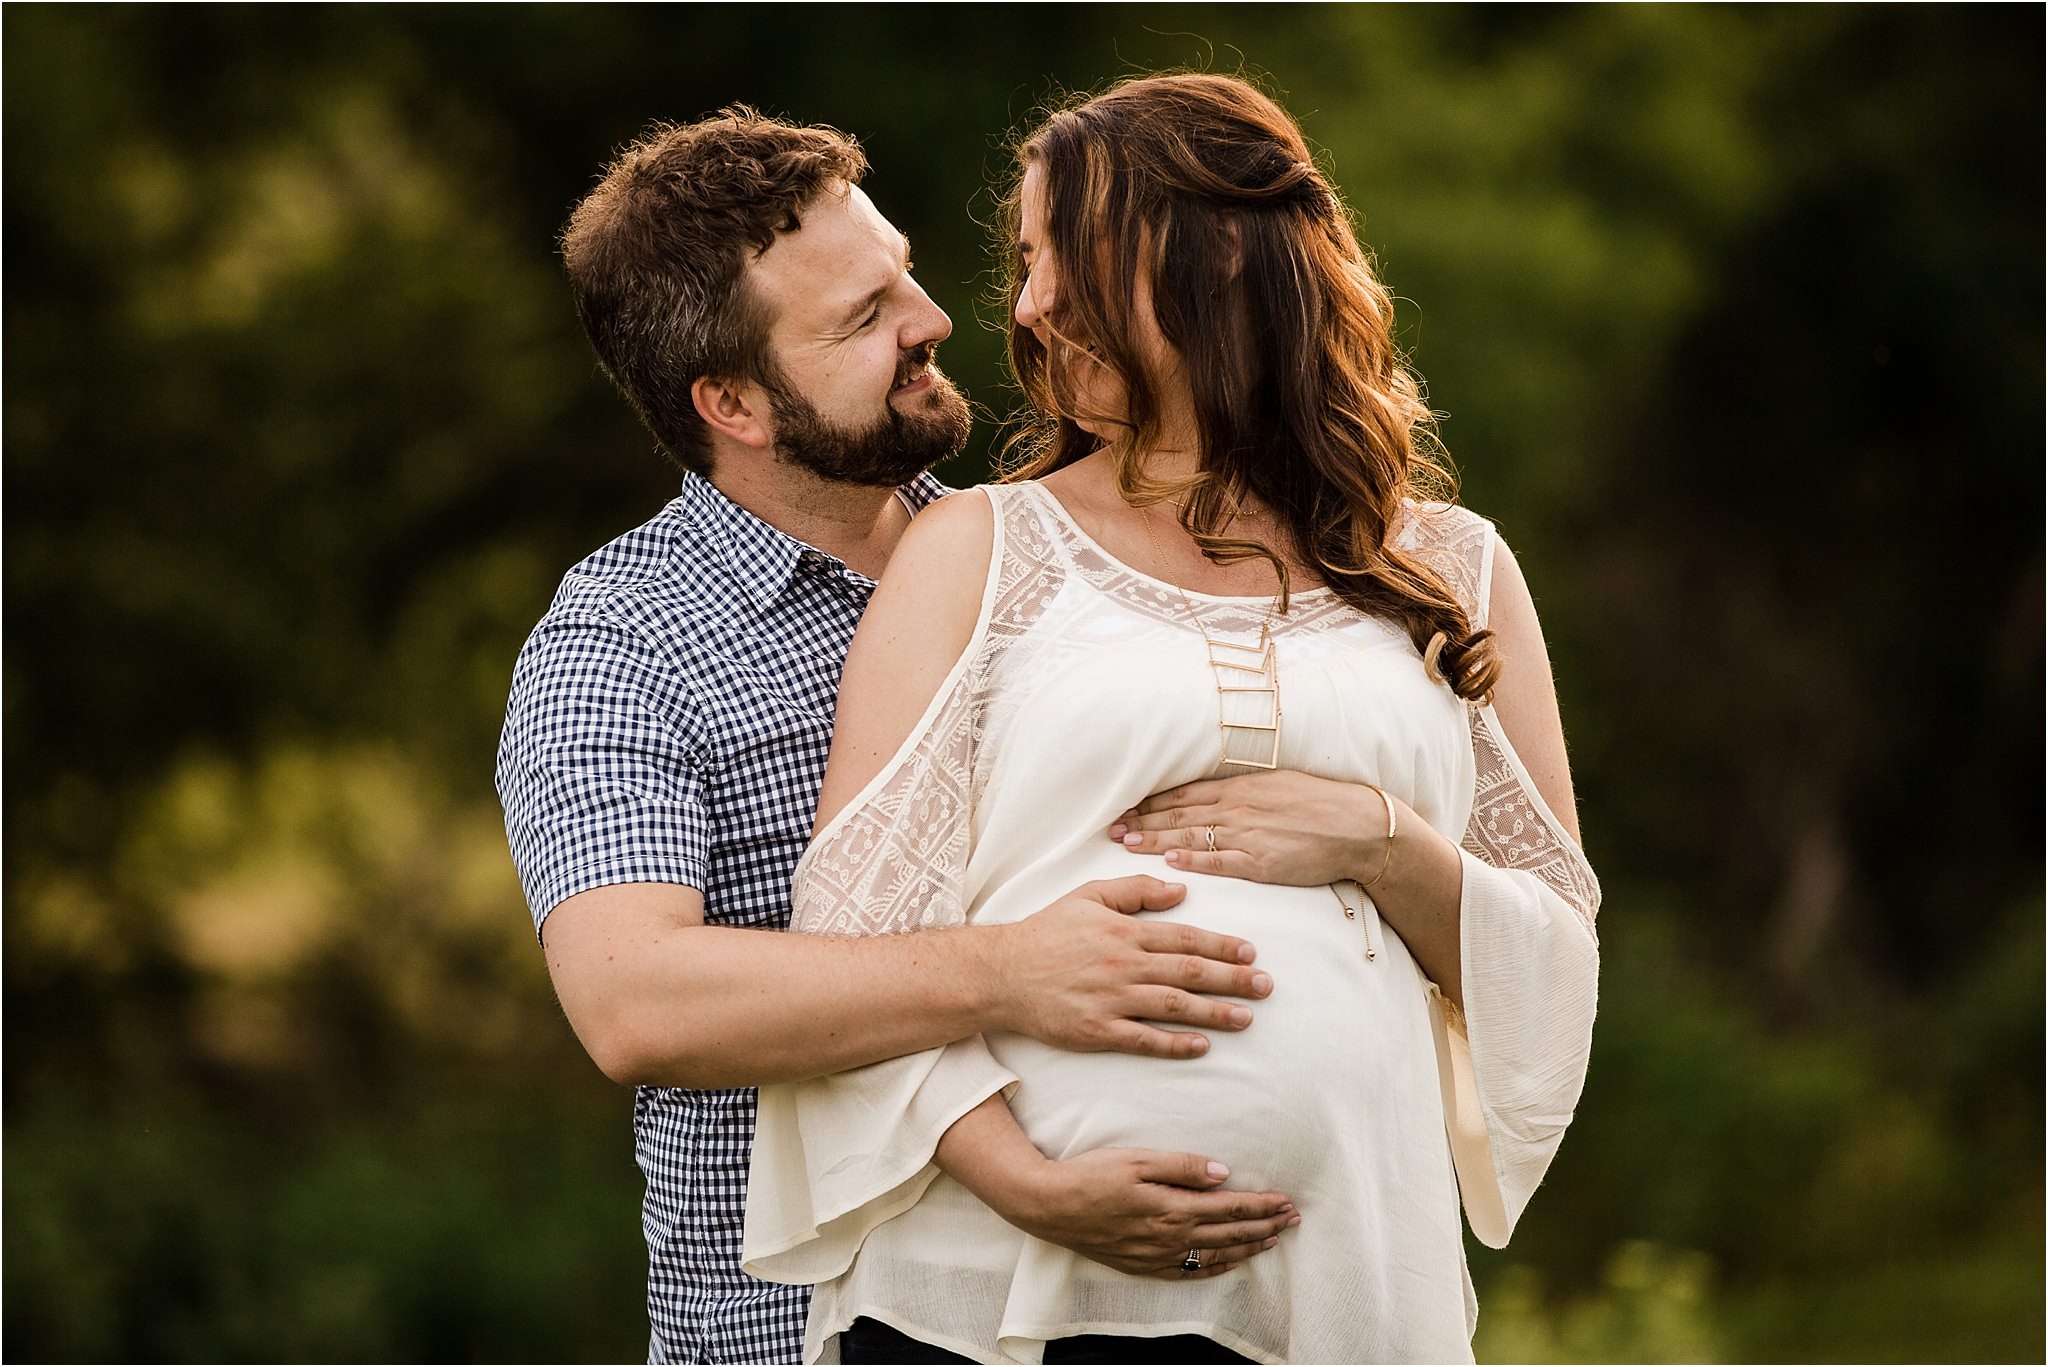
834, 1157
1514, 1062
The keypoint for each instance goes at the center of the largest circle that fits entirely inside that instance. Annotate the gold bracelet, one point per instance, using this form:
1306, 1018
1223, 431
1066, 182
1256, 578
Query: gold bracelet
1393, 828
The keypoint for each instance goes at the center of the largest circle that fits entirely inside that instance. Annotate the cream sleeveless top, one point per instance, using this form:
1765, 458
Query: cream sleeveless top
1086, 688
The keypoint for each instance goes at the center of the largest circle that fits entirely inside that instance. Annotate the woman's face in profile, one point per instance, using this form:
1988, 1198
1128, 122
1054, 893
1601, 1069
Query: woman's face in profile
1092, 392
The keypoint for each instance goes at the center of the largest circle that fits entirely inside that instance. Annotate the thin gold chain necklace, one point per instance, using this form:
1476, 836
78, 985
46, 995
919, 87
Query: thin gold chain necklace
1228, 661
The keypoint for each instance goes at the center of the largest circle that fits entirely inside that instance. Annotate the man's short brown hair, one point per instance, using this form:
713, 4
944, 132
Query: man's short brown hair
656, 255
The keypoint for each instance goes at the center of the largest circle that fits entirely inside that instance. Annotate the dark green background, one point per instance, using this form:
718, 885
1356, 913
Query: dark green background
1736, 317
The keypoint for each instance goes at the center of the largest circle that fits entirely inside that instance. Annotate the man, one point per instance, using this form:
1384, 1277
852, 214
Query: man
670, 718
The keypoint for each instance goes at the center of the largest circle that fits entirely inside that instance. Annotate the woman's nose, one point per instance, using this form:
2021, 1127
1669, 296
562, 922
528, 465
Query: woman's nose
1027, 312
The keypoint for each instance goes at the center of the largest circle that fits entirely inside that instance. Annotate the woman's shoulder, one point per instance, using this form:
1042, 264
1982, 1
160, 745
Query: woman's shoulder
1425, 523
959, 525
1455, 542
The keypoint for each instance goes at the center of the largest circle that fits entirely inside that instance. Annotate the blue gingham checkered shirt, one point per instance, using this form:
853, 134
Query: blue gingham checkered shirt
669, 722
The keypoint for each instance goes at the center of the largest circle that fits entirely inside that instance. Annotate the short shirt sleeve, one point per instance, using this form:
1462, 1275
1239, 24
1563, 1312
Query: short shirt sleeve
600, 766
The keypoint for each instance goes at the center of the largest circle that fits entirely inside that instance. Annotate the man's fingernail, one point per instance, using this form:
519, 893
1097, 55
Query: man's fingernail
1218, 1171
1245, 954
1200, 1044
1117, 831
1240, 1016
1262, 983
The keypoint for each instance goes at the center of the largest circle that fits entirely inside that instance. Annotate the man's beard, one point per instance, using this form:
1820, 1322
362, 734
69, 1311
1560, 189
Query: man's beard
893, 450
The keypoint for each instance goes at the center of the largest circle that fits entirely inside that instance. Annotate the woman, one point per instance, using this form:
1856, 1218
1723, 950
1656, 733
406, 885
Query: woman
1214, 576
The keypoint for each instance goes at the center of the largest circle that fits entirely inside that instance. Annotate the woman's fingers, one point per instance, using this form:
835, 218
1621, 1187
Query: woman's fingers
1177, 1273
1245, 1237
1153, 839
1201, 793
1132, 825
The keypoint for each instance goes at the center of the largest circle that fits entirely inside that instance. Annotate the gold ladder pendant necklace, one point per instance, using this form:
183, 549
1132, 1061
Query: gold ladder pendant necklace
1229, 660
1250, 672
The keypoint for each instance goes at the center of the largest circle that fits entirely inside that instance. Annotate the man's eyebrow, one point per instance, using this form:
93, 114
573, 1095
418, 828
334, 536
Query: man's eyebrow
875, 296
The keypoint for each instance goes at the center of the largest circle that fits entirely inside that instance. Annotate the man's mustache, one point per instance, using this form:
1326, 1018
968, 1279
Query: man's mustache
914, 361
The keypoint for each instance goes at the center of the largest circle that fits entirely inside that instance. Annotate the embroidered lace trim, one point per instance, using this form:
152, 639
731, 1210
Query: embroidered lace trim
895, 859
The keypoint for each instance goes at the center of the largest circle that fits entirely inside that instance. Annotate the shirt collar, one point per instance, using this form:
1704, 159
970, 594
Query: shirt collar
762, 558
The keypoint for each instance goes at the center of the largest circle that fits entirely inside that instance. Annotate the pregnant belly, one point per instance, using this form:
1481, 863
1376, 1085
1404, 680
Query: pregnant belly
1337, 1062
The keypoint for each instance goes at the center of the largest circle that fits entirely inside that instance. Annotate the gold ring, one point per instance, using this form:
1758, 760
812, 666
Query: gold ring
1212, 840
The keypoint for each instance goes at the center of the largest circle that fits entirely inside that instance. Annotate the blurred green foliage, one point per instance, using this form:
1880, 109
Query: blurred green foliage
1735, 313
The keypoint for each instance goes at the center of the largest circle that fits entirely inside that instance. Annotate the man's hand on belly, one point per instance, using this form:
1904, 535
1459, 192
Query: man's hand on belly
1087, 974
1138, 1211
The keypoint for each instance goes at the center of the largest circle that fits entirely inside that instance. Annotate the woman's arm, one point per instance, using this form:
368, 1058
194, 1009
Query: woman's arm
1137, 1210
916, 626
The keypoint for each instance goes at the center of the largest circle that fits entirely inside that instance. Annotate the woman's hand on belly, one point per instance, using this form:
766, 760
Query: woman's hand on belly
1139, 1211
1280, 827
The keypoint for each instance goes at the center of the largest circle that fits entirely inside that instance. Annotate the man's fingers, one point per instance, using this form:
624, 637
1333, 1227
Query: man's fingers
1172, 1006
1138, 892
1171, 937
1149, 1041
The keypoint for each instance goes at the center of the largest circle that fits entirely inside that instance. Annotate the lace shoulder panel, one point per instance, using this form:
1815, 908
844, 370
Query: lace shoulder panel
895, 859
1511, 826
1458, 544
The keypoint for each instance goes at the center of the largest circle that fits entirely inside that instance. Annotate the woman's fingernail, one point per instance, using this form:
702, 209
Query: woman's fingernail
1172, 856
1270, 1242
1132, 838
1295, 1220
1118, 831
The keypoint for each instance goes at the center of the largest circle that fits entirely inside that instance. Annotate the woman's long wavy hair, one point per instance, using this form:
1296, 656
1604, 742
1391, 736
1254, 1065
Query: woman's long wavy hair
1203, 186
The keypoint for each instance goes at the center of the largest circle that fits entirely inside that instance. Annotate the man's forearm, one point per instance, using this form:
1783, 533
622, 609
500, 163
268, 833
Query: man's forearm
658, 997
717, 1006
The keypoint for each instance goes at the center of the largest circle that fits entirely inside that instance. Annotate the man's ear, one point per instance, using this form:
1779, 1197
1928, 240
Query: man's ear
732, 409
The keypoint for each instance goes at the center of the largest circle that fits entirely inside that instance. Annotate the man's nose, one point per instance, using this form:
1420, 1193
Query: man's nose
925, 325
